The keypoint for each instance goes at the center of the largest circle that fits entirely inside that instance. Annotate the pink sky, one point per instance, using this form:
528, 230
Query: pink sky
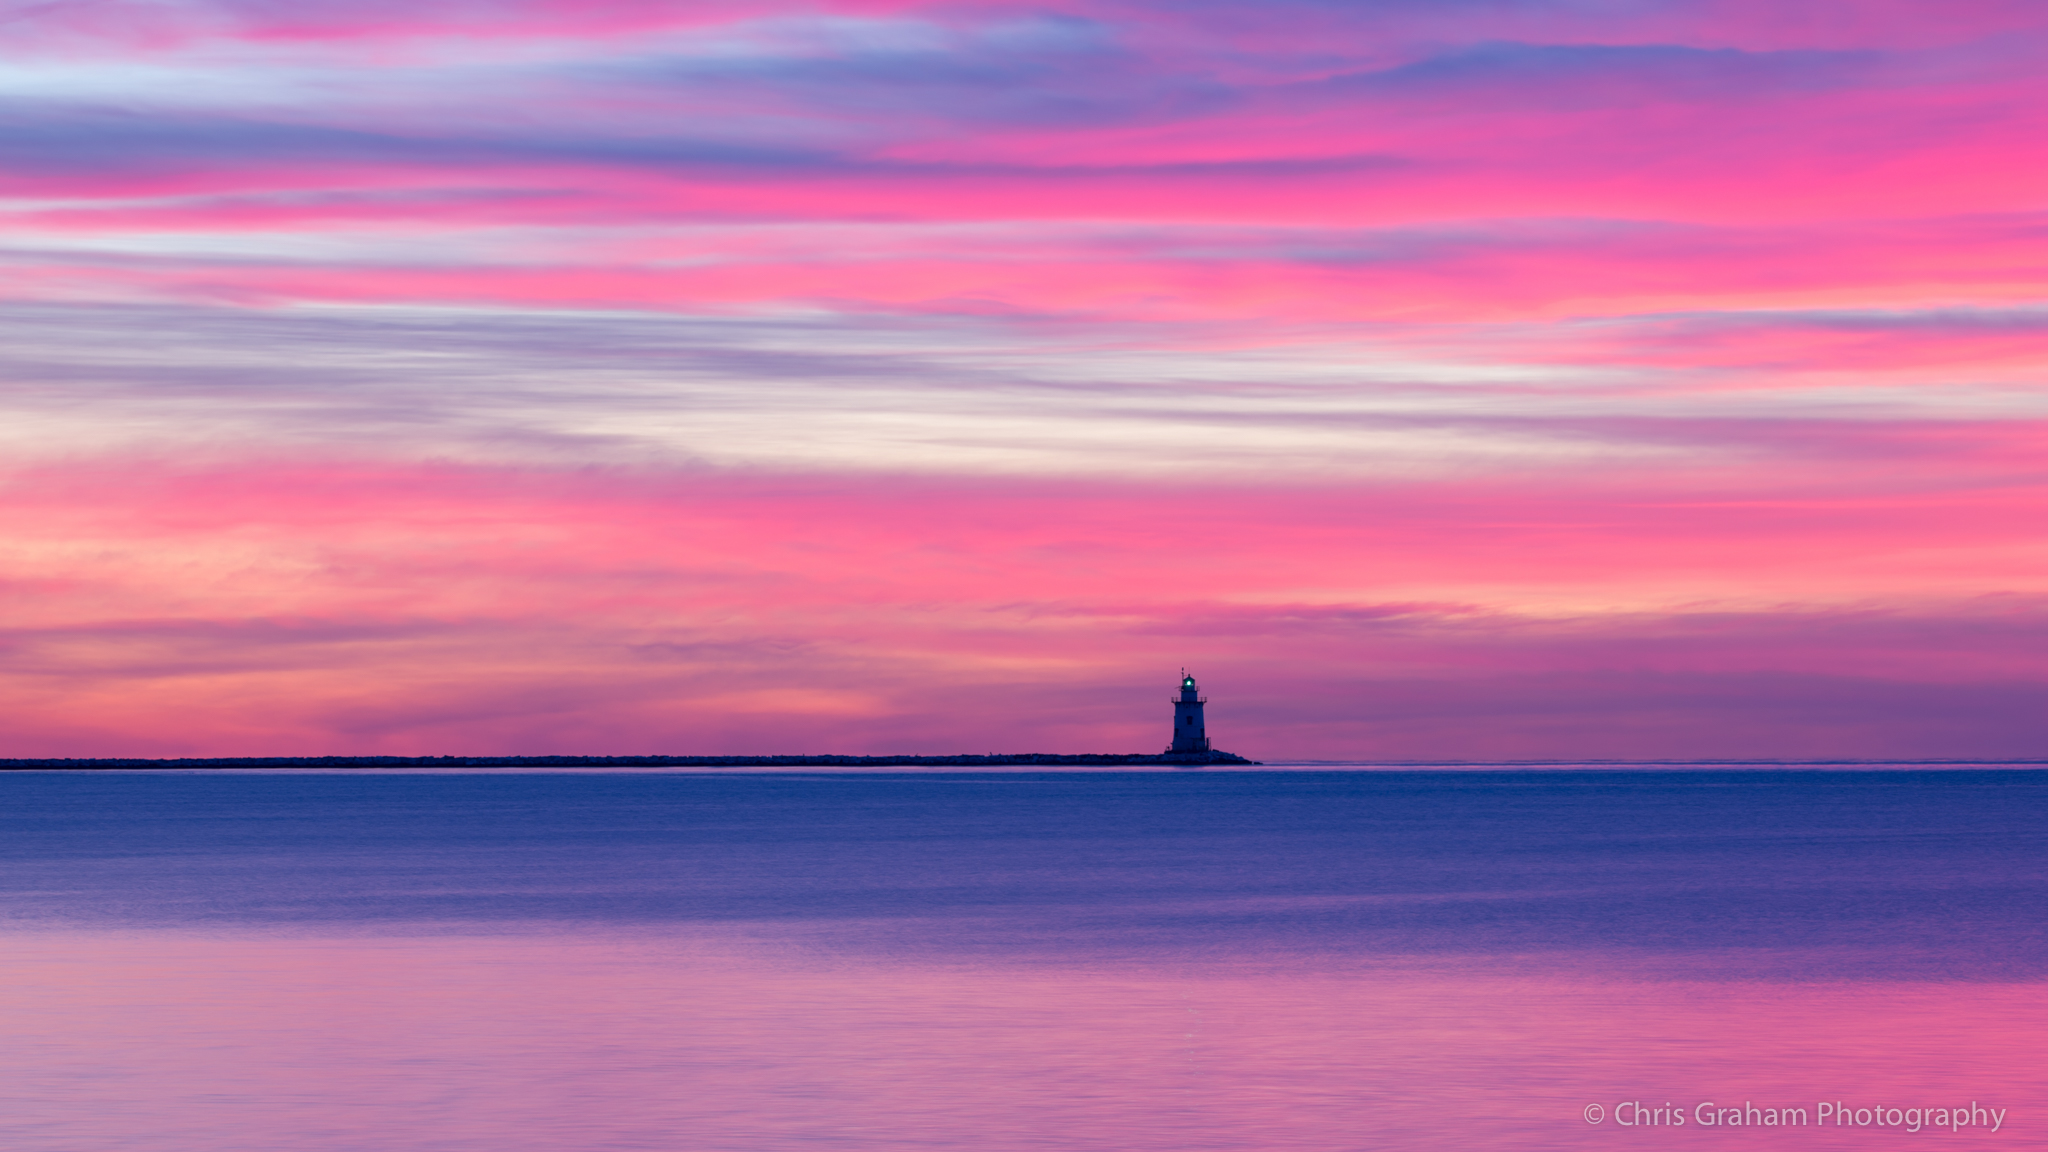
1435, 380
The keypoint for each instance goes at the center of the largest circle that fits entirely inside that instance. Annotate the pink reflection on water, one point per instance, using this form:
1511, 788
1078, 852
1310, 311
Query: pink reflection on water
174, 1042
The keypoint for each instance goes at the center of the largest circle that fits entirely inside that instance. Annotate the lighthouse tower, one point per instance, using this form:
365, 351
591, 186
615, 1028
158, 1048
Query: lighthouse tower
1189, 734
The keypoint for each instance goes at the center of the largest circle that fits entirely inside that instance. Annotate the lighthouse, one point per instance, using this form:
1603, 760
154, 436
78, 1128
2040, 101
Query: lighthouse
1189, 733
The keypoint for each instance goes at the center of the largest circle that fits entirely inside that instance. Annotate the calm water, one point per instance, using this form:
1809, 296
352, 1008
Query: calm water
1170, 961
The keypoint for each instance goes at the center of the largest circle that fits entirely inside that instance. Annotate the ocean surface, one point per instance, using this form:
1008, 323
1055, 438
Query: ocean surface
1157, 960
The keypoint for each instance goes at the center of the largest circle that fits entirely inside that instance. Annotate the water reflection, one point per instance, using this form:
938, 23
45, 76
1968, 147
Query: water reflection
650, 1041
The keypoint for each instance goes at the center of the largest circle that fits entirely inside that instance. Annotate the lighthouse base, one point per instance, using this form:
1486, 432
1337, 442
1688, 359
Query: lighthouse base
1205, 756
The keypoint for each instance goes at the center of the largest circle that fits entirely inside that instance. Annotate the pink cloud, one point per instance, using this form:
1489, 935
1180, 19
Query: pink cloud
268, 609
1445, 278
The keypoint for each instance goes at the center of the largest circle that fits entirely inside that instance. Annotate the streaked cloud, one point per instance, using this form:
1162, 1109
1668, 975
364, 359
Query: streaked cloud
329, 607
